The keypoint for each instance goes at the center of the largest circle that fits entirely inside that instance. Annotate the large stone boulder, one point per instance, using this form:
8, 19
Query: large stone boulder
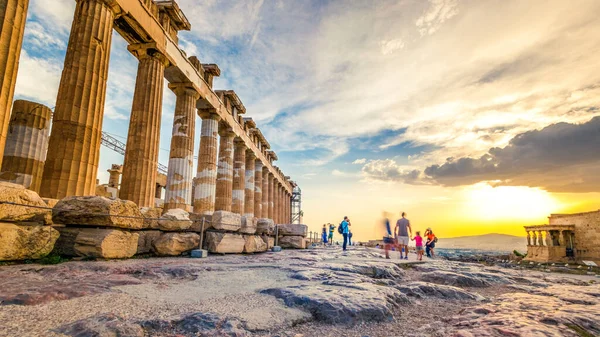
294, 242
26, 242
225, 243
146, 240
226, 221
293, 230
48, 217
265, 226
248, 225
174, 220
96, 242
254, 244
197, 219
19, 195
97, 211
173, 244
268, 240
151, 216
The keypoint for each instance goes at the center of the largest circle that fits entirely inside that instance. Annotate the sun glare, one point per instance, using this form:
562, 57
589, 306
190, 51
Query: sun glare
509, 202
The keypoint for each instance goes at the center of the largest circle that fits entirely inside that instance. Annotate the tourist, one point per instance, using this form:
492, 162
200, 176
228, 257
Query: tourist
388, 239
324, 235
402, 232
331, 230
430, 244
345, 230
350, 237
419, 245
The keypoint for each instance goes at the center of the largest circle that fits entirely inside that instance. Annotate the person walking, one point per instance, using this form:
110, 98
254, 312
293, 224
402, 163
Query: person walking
403, 232
430, 244
324, 235
419, 245
345, 230
388, 239
331, 230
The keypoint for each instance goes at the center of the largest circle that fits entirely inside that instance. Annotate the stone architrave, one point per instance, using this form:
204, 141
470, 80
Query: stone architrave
26, 145
258, 189
293, 230
223, 199
13, 14
181, 158
96, 242
239, 177
265, 226
17, 194
98, 212
265, 193
249, 225
225, 243
175, 219
141, 153
74, 146
226, 221
206, 176
249, 185
26, 242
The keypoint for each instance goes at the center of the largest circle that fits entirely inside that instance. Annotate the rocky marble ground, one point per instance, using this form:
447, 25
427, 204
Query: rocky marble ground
315, 292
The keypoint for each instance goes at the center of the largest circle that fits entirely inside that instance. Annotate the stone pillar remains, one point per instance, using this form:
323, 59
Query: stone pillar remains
223, 199
239, 174
114, 175
265, 193
74, 146
206, 176
258, 189
13, 14
141, 153
181, 157
26, 145
275, 201
249, 184
271, 196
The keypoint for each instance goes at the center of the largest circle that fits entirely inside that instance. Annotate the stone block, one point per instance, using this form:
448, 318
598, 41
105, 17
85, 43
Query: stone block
265, 226
97, 211
173, 244
225, 243
248, 225
293, 230
151, 216
276, 249
146, 240
226, 221
14, 193
197, 222
254, 244
48, 217
26, 242
294, 242
174, 220
96, 242
199, 253
268, 240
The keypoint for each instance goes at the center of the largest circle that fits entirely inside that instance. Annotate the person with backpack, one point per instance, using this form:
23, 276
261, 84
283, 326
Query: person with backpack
430, 244
344, 229
331, 230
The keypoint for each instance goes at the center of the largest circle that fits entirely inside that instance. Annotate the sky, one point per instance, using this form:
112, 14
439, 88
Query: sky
472, 117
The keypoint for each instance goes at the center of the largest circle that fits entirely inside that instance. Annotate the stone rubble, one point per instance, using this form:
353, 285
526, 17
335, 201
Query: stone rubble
26, 242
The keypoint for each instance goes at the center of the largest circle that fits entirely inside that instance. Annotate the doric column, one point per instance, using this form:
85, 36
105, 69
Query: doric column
74, 146
181, 157
258, 188
141, 153
287, 208
271, 196
265, 193
239, 174
249, 184
206, 177
276, 202
225, 169
280, 201
13, 14
26, 145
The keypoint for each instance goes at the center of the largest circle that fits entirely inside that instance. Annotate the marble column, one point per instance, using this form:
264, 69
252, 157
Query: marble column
271, 196
239, 177
206, 176
258, 189
249, 184
223, 199
26, 144
141, 153
181, 157
561, 238
549, 241
114, 175
265, 193
276, 202
74, 146
534, 238
13, 14
540, 238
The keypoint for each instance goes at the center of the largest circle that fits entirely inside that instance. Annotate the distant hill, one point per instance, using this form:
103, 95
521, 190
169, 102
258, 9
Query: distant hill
501, 242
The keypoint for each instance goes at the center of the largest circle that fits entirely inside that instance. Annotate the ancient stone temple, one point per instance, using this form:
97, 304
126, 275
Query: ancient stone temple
566, 237
236, 189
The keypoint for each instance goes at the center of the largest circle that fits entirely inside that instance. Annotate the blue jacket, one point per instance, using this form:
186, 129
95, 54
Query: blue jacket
345, 227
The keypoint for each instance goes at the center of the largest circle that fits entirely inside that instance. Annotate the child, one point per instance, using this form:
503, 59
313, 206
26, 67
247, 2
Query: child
324, 235
419, 243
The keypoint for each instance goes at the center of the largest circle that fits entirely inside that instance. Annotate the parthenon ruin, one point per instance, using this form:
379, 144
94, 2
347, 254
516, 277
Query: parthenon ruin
235, 169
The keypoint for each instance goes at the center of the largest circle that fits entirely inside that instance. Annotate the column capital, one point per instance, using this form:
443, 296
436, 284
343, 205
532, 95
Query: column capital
250, 154
148, 50
184, 89
239, 142
209, 113
225, 130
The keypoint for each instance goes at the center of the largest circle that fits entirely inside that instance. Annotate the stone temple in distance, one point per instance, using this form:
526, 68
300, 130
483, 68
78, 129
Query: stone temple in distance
50, 200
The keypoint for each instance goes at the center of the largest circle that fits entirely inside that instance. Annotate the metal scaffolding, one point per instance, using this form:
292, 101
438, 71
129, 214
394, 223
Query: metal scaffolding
119, 147
297, 213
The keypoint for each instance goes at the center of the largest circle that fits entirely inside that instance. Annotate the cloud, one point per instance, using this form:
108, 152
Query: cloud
436, 15
389, 170
360, 161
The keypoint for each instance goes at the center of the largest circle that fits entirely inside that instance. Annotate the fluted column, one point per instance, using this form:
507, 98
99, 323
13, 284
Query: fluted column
271, 196
206, 177
258, 188
114, 175
265, 193
26, 145
141, 154
74, 146
276, 201
249, 184
13, 14
239, 174
225, 170
181, 158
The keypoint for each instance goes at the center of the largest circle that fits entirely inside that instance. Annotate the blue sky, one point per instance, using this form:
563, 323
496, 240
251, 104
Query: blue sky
359, 98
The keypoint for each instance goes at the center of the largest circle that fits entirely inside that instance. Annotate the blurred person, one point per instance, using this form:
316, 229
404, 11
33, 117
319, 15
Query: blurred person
403, 232
388, 238
419, 245
331, 230
345, 226
324, 235
430, 244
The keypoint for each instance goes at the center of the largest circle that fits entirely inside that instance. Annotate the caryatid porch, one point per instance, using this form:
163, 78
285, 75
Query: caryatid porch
550, 242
